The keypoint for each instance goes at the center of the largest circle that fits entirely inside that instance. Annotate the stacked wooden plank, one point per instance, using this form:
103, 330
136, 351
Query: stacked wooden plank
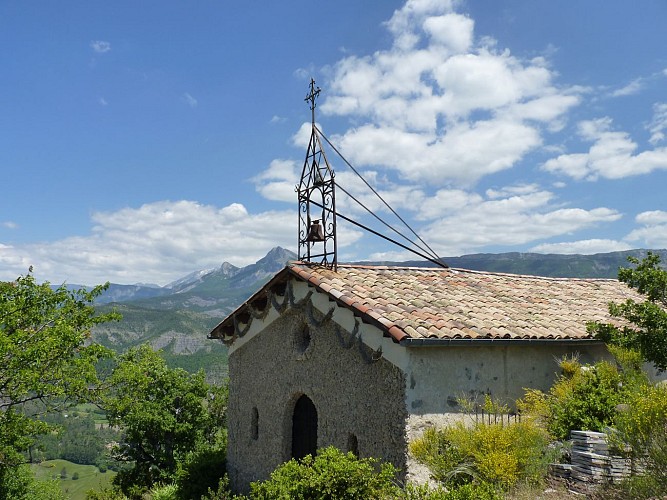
561, 471
591, 459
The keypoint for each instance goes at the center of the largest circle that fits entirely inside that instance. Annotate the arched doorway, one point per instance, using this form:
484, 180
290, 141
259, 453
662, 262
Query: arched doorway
304, 428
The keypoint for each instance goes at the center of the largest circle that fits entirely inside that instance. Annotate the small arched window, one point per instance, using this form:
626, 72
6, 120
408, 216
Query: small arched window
353, 444
254, 424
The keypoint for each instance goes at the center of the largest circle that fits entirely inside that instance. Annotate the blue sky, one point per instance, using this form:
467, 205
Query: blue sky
145, 140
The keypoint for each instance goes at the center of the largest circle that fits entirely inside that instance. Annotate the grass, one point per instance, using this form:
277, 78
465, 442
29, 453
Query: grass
90, 478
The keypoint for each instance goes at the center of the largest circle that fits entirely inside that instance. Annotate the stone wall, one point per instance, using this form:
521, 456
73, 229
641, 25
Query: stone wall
359, 397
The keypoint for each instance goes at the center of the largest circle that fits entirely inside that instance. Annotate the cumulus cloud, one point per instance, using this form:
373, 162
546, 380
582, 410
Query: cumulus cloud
612, 155
100, 46
652, 233
465, 222
585, 247
444, 107
157, 242
653, 230
441, 106
278, 182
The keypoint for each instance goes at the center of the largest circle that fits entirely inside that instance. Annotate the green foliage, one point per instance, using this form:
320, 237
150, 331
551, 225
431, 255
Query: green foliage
75, 438
645, 330
164, 492
643, 425
222, 492
201, 469
88, 477
583, 397
643, 486
107, 493
445, 460
164, 414
44, 356
468, 491
19, 483
331, 474
498, 454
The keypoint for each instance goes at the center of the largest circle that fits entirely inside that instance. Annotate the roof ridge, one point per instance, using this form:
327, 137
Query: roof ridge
453, 270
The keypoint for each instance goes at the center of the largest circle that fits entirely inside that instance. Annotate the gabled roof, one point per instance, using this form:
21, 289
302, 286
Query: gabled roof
425, 304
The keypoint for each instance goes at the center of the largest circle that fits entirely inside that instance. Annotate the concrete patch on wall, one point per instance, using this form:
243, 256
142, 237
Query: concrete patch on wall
438, 376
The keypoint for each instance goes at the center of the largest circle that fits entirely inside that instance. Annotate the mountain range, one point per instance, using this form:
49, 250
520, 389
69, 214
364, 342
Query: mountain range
177, 317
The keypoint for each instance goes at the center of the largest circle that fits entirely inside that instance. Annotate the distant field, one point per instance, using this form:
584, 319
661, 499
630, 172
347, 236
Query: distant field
90, 478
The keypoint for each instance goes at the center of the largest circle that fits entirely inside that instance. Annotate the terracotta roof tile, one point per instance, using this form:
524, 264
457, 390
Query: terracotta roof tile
456, 303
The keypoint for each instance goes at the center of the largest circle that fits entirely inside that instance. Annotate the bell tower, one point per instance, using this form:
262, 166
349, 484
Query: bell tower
317, 199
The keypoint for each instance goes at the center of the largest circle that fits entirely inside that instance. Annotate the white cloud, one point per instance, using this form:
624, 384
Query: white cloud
454, 31
9, 224
103, 101
634, 87
652, 217
653, 234
441, 107
191, 101
277, 183
466, 222
302, 137
612, 155
157, 242
585, 247
466, 153
100, 46
658, 124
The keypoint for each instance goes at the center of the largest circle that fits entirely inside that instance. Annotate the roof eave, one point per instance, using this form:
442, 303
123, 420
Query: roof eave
442, 342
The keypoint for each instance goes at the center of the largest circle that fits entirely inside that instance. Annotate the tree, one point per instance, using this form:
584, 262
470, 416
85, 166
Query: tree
164, 414
645, 328
46, 362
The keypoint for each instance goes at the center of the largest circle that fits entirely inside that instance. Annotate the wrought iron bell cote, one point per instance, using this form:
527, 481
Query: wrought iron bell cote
315, 232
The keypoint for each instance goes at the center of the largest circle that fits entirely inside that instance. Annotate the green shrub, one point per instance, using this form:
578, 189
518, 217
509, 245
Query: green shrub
584, 397
444, 459
108, 493
223, 491
201, 470
331, 474
643, 425
164, 492
498, 454
470, 491
19, 483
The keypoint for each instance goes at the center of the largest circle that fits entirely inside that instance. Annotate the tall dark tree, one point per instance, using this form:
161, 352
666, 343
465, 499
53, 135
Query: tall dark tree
164, 415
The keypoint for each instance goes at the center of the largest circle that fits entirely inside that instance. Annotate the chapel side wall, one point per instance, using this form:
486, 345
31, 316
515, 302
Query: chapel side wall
353, 392
439, 375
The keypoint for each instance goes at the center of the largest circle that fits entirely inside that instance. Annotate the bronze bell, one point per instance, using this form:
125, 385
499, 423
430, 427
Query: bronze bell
319, 180
315, 232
